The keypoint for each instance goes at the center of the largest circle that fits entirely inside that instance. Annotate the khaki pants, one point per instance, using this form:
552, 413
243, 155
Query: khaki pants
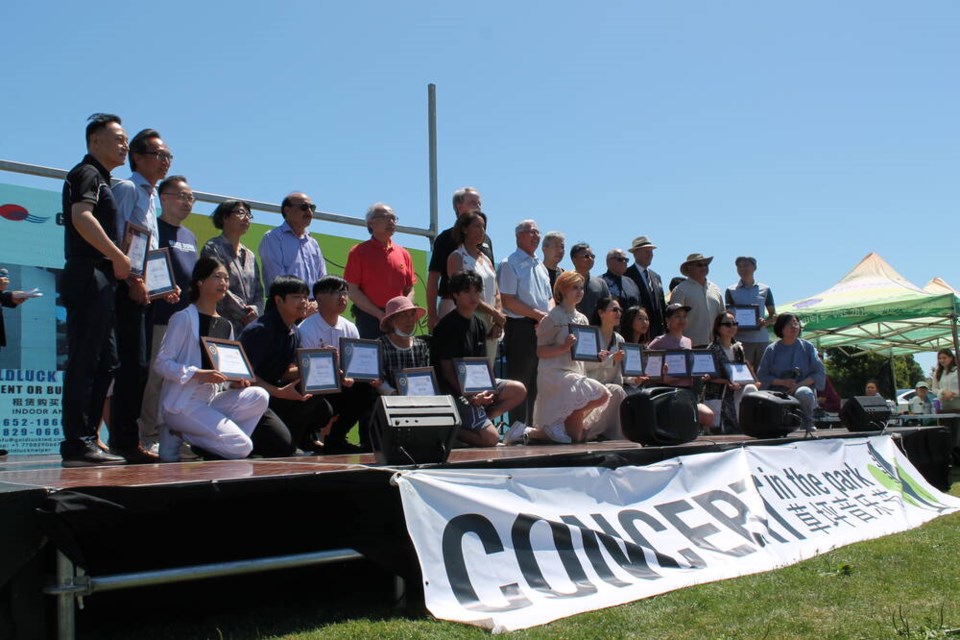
150, 410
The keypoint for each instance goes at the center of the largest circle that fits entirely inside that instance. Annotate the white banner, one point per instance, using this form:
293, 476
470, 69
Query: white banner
510, 549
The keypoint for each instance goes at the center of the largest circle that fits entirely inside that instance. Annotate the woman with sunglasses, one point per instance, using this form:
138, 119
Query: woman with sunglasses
244, 300
791, 365
720, 394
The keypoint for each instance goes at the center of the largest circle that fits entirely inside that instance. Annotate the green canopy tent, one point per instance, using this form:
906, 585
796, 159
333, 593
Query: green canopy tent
875, 309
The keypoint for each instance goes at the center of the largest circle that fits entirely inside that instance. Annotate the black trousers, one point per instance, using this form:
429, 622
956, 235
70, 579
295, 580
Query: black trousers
302, 419
520, 348
131, 378
367, 325
87, 289
353, 404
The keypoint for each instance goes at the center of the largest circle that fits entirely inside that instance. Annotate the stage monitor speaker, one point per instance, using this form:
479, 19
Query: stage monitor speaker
865, 413
660, 416
414, 429
769, 414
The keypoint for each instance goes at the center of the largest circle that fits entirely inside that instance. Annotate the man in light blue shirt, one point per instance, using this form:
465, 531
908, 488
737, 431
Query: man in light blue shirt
289, 250
750, 292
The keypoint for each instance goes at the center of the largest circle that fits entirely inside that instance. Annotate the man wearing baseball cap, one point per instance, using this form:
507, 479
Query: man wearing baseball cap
702, 296
648, 281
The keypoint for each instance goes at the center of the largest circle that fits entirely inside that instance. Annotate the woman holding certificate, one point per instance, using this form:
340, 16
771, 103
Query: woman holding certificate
723, 395
569, 404
195, 405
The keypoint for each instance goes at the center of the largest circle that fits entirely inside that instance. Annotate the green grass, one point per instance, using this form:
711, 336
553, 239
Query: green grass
901, 586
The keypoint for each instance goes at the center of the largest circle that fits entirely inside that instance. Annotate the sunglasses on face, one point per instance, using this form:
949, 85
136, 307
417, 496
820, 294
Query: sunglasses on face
305, 207
729, 324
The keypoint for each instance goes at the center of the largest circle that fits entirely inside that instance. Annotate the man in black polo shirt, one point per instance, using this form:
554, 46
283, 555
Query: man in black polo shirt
461, 334
93, 265
271, 344
464, 200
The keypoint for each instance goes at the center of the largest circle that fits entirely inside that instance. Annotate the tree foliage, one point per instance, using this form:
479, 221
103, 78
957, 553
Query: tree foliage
850, 371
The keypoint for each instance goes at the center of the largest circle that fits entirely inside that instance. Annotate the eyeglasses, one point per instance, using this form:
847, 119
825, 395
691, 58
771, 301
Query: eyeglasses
729, 324
241, 214
620, 258
588, 256
386, 216
305, 206
183, 197
162, 156
702, 265
615, 309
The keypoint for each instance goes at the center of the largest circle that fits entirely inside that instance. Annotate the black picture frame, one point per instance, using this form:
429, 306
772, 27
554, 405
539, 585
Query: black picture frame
319, 371
703, 362
229, 358
587, 345
747, 315
632, 355
357, 356
410, 382
160, 264
471, 376
741, 373
653, 364
136, 246
676, 362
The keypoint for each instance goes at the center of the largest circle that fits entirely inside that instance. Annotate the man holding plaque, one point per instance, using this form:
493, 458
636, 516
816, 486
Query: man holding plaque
462, 334
323, 330
271, 344
94, 263
749, 292
149, 160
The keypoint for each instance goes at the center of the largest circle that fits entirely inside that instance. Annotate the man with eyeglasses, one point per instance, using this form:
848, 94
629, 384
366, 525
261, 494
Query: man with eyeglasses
702, 296
289, 250
176, 202
94, 263
377, 271
136, 204
527, 298
621, 287
750, 292
595, 288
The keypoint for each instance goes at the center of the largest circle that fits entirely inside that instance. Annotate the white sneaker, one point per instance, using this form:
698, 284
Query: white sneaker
515, 434
557, 433
170, 441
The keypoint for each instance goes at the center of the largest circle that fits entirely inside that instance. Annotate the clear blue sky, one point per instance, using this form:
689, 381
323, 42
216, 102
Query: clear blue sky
806, 134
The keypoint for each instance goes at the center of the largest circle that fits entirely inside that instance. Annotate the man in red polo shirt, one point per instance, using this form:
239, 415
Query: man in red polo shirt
377, 270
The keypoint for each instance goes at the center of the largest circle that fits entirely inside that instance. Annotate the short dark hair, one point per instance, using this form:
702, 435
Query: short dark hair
782, 320
460, 226
139, 145
464, 281
329, 284
164, 186
285, 285
202, 270
224, 209
577, 248
98, 122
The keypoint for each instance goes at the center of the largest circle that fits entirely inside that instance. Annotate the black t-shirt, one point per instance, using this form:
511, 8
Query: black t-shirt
270, 345
212, 327
88, 182
457, 337
443, 246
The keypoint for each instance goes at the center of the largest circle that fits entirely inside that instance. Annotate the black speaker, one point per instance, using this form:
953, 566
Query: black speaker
865, 413
414, 429
660, 416
769, 414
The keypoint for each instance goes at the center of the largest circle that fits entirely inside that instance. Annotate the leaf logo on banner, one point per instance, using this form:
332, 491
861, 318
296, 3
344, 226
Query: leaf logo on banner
893, 477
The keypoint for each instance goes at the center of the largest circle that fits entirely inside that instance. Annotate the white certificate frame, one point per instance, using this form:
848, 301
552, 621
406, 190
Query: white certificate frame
746, 315
632, 353
350, 348
170, 285
417, 381
678, 358
135, 239
307, 360
741, 373
577, 348
219, 349
469, 369
696, 357
653, 364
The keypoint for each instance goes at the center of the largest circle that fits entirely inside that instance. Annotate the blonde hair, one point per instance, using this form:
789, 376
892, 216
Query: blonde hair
566, 280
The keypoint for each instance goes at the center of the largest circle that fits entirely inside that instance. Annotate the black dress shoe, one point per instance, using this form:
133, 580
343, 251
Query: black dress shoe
136, 455
91, 456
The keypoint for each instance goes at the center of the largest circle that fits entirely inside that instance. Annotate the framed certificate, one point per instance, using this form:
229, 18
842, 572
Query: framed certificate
318, 371
421, 381
747, 315
632, 363
587, 346
158, 274
136, 244
653, 364
677, 364
740, 372
474, 375
361, 359
703, 363
228, 357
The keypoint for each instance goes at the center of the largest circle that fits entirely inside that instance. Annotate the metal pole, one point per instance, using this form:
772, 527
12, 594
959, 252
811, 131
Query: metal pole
432, 128
66, 616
